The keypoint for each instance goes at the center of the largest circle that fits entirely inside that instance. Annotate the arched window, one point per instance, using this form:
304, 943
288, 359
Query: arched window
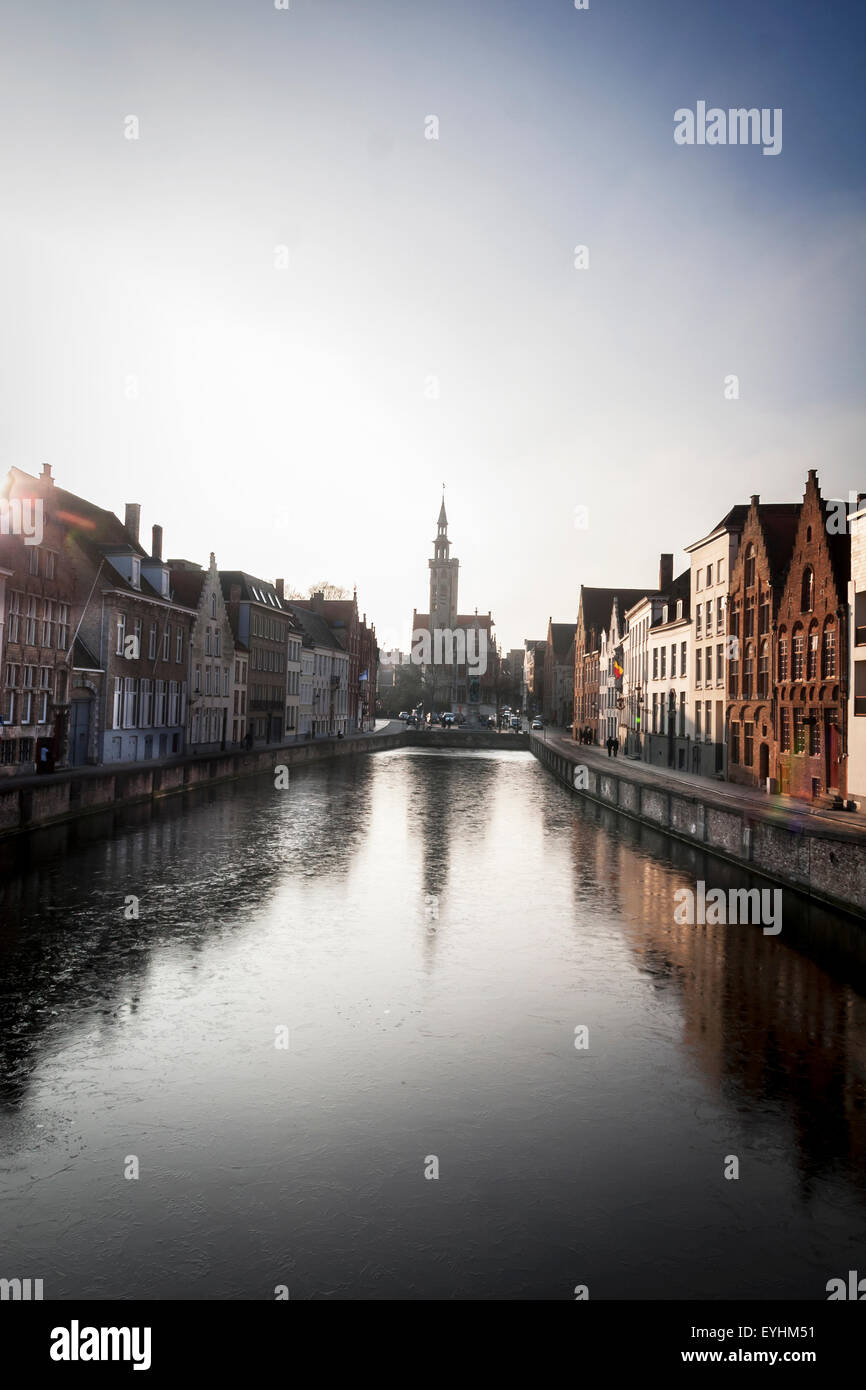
783, 654
748, 670
797, 649
808, 533
750, 566
213, 605
812, 654
807, 592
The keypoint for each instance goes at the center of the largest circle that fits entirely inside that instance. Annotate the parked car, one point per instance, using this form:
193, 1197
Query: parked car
536, 723
447, 721
404, 714
515, 723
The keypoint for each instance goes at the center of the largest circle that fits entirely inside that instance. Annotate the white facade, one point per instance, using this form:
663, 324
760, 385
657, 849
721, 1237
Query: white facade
639, 619
712, 560
857, 681
608, 713
324, 691
668, 727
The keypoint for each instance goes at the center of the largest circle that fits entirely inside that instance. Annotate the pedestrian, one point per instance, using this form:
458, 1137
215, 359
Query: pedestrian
616, 747
609, 746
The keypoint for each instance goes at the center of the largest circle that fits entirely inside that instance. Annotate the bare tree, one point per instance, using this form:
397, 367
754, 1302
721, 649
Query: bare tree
324, 586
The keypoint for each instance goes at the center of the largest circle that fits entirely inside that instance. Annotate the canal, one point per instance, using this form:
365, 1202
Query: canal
430, 934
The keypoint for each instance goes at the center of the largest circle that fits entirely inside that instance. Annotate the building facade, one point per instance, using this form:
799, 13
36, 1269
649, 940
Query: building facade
712, 560
668, 718
211, 655
856, 775
261, 623
559, 674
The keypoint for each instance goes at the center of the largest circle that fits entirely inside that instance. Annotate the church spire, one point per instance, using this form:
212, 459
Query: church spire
443, 520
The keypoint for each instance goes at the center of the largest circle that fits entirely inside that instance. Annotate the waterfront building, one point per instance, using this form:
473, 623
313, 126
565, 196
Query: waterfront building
610, 674
712, 560
593, 617
810, 642
558, 705
856, 775
262, 623
755, 592
211, 656
669, 732
324, 687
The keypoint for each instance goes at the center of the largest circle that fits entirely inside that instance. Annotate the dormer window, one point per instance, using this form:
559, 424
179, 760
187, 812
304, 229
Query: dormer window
136, 574
679, 608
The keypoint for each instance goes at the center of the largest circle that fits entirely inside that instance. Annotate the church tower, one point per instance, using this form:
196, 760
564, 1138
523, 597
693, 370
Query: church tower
443, 577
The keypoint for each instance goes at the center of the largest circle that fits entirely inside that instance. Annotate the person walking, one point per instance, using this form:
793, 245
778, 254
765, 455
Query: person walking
609, 746
616, 747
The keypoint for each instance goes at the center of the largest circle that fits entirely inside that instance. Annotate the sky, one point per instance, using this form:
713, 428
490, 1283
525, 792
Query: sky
283, 316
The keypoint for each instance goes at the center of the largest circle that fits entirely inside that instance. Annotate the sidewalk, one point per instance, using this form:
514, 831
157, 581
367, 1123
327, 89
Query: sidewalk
783, 810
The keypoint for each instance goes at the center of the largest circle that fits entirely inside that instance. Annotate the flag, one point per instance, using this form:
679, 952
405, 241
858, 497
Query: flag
617, 669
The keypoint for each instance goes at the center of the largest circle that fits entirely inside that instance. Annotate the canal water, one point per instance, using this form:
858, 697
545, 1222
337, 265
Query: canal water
426, 931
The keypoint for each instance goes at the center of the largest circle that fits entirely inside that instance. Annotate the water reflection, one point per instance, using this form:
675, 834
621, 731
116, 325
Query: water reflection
416, 1032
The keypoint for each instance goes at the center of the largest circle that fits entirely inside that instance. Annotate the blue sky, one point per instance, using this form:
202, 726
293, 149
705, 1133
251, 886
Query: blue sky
282, 417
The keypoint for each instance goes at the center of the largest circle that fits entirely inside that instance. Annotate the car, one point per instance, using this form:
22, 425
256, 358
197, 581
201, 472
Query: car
515, 723
447, 721
536, 723
404, 714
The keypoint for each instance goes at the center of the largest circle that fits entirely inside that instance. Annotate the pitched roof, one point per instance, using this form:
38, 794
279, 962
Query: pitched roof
596, 604
779, 522
253, 590
562, 637
187, 586
316, 631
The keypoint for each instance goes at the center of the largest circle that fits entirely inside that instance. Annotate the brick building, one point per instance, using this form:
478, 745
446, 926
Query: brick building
593, 617
262, 629
559, 674
757, 585
811, 656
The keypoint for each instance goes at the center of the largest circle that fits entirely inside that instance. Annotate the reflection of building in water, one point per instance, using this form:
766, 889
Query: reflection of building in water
757, 1013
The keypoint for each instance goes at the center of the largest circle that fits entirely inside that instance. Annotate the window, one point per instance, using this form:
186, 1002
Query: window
750, 616
217, 643
698, 667
697, 720
815, 733
764, 615
682, 729
679, 609
797, 654
130, 702
207, 680
807, 590
708, 675
683, 660
749, 567
146, 702
829, 663
47, 623
50, 564
151, 645
764, 670
748, 743
159, 706
720, 614
178, 646
207, 642
709, 576
785, 729
812, 654
655, 711
799, 730
698, 578
213, 605
748, 673
121, 634
61, 680
783, 657
42, 707
166, 643
673, 660
136, 573
720, 571
698, 620
32, 560
14, 617
117, 703
720, 664
29, 677
860, 687
30, 622
196, 684
664, 658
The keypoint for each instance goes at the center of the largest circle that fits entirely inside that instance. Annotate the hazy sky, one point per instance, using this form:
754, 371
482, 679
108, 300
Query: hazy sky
283, 417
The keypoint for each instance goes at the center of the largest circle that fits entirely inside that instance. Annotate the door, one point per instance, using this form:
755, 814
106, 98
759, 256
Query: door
79, 732
763, 762
831, 743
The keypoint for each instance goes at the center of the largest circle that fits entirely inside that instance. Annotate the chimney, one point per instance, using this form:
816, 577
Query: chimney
132, 519
280, 586
235, 593
755, 499
156, 550
45, 475
666, 572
